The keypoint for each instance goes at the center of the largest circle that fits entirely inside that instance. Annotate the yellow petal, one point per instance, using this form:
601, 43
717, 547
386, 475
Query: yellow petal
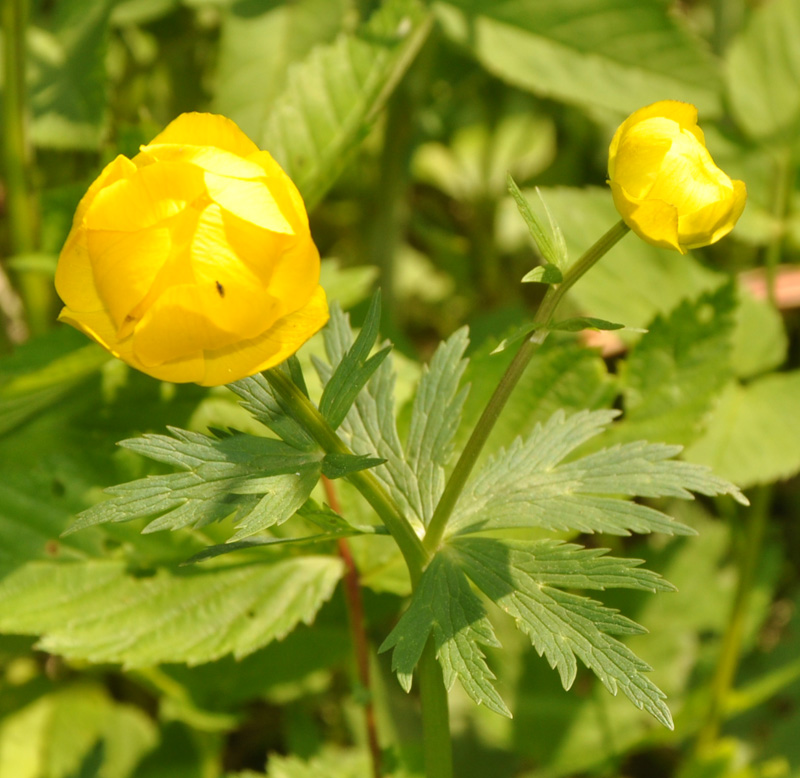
641, 154
100, 328
178, 325
74, 276
270, 349
652, 220
249, 200
125, 266
713, 221
237, 298
209, 158
152, 195
206, 129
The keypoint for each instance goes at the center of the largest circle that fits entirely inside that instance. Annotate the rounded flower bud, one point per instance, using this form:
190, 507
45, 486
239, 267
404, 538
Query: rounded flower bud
193, 261
665, 185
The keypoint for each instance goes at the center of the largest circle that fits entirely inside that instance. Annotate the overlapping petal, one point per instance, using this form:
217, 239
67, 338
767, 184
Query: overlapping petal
193, 261
664, 182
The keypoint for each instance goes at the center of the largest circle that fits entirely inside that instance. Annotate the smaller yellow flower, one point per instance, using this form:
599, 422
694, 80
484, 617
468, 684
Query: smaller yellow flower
193, 261
665, 185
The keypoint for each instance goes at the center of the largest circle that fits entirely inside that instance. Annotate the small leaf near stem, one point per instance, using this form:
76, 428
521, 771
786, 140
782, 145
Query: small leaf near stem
312, 420
483, 428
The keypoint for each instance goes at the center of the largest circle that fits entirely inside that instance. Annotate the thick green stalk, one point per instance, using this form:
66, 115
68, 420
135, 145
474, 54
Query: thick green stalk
436, 743
410, 545
469, 456
730, 652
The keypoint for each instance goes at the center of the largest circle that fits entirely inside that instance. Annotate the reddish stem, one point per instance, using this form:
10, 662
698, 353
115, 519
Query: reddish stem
355, 609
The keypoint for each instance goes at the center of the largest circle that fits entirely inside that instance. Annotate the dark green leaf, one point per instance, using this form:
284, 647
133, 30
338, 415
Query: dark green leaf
435, 414
259, 400
354, 369
340, 465
526, 580
444, 605
544, 274
579, 323
674, 374
530, 485
261, 480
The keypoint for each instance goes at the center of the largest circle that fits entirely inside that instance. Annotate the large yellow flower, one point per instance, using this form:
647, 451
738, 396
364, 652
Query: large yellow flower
193, 261
665, 184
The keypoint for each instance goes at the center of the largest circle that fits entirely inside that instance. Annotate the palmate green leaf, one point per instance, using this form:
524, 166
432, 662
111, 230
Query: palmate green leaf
370, 428
435, 414
530, 485
98, 611
675, 373
445, 606
257, 398
616, 54
413, 475
333, 98
261, 480
526, 580
355, 368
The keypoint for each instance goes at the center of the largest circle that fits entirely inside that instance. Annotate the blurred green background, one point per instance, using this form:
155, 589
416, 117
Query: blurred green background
399, 121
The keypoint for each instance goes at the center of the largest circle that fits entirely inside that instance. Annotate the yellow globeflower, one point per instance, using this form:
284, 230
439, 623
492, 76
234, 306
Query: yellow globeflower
193, 261
665, 184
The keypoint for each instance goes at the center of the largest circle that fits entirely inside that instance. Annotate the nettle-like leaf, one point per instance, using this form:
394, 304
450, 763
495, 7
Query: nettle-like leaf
414, 474
261, 481
445, 607
100, 612
354, 370
333, 98
530, 485
528, 579
674, 375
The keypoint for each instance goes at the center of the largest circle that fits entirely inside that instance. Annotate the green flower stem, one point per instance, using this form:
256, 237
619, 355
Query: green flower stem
730, 651
436, 745
543, 317
410, 545
35, 289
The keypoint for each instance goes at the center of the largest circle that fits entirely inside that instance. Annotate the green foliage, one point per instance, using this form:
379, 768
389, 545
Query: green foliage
99, 611
354, 370
673, 376
332, 100
618, 55
550, 243
530, 485
445, 606
415, 200
68, 86
260, 481
763, 64
526, 579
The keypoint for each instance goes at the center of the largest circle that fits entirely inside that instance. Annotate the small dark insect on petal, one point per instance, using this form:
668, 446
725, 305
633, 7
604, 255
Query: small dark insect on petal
220, 289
